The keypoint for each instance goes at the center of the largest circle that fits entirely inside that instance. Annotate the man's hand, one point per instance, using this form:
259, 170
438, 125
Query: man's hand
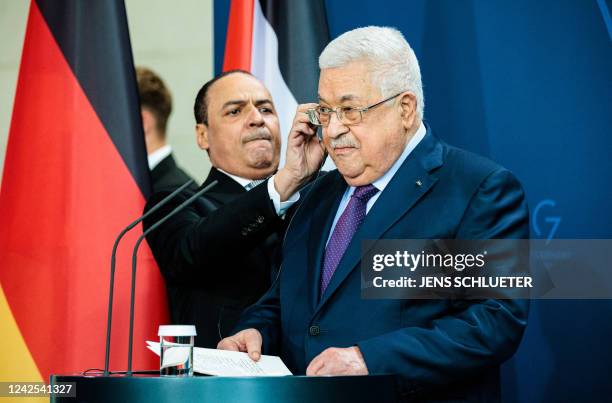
246, 341
304, 154
338, 361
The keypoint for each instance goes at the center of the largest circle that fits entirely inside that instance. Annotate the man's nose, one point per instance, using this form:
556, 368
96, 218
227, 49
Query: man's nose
335, 127
255, 118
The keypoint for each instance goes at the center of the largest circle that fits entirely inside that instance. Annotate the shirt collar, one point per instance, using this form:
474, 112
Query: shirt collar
158, 155
242, 181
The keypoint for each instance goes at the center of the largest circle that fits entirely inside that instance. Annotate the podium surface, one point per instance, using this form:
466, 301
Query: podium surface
371, 388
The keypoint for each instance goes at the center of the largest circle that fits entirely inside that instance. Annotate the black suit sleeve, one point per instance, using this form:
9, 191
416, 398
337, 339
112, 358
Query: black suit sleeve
197, 242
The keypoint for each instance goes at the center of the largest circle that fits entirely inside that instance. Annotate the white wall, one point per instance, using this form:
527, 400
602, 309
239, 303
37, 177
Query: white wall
13, 16
175, 39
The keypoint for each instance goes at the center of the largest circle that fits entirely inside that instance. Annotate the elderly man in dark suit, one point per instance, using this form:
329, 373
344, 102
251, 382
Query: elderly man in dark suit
395, 180
218, 255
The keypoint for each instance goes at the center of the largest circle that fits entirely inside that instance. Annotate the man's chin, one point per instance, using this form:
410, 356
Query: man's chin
266, 165
353, 176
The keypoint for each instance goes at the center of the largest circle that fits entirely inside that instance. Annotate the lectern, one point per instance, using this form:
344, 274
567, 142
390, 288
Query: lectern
371, 388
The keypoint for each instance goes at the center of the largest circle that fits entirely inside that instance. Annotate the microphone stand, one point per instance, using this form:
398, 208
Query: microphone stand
134, 259
113, 262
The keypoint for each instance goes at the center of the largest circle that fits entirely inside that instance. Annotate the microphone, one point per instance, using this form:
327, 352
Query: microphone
112, 266
134, 255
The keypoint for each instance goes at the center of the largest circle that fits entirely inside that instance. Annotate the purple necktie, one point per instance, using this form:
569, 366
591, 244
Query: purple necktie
347, 224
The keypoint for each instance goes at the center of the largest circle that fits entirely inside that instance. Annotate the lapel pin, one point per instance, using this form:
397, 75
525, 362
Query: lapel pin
419, 183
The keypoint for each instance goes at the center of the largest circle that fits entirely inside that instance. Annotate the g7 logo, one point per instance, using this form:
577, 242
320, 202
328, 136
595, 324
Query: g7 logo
554, 221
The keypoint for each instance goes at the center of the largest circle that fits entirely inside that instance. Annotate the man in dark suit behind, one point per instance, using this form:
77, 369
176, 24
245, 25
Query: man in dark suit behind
155, 109
395, 180
217, 255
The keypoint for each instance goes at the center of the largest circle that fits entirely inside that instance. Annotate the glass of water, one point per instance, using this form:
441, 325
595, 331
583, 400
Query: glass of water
176, 345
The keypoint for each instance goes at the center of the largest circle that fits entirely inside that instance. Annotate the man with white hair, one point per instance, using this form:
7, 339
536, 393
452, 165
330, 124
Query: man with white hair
395, 180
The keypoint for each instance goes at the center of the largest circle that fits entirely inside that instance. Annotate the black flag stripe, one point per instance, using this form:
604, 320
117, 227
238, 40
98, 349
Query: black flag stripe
87, 52
302, 32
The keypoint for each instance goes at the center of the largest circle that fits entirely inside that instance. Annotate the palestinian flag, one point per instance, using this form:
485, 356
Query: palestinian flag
279, 42
75, 173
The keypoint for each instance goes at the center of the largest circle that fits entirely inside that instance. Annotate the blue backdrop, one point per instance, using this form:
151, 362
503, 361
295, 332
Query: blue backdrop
529, 84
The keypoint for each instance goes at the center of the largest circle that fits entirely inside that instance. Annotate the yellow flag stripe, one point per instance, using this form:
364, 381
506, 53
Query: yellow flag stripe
16, 362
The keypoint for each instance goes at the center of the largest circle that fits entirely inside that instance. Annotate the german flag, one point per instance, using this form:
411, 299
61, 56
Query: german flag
75, 173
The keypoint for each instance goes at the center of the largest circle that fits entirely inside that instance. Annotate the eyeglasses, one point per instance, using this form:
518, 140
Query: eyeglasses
321, 115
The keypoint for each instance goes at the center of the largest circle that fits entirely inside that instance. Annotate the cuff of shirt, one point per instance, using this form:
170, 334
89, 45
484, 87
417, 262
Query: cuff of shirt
280, 207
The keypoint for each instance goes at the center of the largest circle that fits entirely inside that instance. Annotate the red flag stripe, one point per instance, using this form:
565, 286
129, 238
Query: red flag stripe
239, 36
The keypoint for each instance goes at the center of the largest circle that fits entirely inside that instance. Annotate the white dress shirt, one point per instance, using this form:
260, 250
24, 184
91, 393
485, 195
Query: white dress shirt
280, 207
158, 155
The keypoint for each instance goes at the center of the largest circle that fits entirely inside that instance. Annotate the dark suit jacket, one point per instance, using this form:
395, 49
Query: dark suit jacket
216, 263
440, 348
168, 175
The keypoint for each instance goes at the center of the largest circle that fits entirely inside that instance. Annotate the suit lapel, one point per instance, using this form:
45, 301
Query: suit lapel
322, 219
226, 188
409, 184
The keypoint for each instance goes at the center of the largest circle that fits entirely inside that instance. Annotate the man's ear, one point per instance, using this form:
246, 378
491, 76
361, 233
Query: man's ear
408, 104
148, 121
202, 136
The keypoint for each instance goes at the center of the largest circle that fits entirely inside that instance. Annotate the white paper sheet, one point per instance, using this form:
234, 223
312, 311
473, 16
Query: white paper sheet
230, 363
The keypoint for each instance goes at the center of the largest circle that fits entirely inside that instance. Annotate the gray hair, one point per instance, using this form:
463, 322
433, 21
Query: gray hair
393, 64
